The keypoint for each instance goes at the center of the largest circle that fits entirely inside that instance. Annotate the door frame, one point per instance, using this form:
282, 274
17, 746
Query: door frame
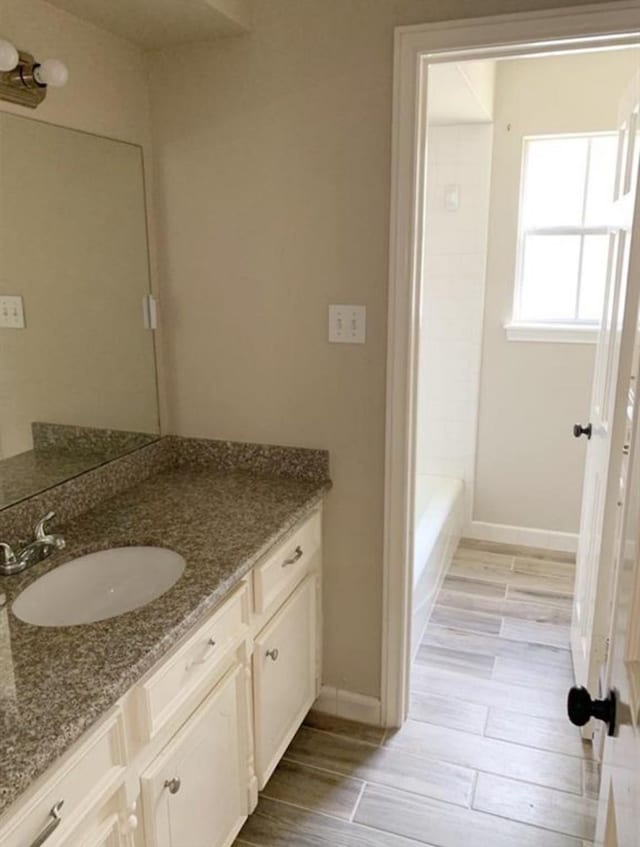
564, 30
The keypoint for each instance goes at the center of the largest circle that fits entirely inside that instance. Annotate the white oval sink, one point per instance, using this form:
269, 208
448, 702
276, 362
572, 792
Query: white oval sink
99, 586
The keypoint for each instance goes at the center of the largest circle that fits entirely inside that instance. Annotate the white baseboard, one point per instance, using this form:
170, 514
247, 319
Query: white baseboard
349, 705
564, 542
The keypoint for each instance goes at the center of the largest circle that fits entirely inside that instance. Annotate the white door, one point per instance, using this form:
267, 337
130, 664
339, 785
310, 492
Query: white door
592, 603
195, 794
617, 824
284, 676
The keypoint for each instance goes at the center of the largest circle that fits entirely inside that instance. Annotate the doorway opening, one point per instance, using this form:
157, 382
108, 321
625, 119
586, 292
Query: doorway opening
419, 52
520, 175
507, 263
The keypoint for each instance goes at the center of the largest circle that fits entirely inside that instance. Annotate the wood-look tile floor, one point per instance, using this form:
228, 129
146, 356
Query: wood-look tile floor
487, 758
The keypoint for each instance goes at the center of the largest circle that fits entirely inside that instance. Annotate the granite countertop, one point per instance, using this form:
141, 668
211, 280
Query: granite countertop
56, 682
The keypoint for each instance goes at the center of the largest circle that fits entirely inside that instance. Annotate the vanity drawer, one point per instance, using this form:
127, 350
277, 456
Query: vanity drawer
281, 570
85, 778
199, 659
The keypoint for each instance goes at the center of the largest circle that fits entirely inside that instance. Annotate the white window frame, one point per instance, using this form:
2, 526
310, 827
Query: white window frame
571, 332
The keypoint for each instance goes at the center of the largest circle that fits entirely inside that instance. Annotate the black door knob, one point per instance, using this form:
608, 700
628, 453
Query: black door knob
580, 708
579, 430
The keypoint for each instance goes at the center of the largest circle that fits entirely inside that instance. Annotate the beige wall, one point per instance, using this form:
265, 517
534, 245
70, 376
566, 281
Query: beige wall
529, 467
273, 162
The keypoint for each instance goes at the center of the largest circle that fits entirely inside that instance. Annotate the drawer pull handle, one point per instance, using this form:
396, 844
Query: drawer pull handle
273, 654
211, 643
173, 784
54, 823
297, 555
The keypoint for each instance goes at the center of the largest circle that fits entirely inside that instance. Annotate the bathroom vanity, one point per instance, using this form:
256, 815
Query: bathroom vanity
158, 727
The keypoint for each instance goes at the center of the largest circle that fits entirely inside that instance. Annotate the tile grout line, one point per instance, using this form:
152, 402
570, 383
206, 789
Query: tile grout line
345, 736
474, 786
371, 784
494, 579
493, 669
486, 723
492, 739
465, 632
511, 605
304, 808
357, 803
409, 840
577, 839
518, 779
527, 823
426, 759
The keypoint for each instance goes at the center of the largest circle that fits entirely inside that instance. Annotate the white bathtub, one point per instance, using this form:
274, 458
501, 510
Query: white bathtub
439, 517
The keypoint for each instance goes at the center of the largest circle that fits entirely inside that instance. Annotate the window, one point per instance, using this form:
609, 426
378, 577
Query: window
563, 241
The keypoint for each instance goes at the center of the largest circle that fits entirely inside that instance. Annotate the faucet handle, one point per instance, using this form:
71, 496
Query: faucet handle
8, 556
40, 532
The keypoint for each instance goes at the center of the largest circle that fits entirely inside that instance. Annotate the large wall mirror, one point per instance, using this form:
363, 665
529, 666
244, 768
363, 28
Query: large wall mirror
78, 379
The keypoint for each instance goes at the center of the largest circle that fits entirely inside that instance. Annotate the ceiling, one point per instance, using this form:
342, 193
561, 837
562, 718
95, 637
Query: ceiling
154, 24
461, 92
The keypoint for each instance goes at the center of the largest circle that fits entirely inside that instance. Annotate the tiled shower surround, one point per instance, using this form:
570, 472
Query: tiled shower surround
453, 284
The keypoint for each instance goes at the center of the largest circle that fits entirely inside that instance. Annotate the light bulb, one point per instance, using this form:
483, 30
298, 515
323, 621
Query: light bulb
9, 57
51, 72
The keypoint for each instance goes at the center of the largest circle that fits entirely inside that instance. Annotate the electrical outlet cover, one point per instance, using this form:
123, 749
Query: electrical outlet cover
11, 312
347, 324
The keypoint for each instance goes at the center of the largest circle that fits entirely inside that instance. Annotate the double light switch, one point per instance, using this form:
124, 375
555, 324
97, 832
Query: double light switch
347, 324
11, 312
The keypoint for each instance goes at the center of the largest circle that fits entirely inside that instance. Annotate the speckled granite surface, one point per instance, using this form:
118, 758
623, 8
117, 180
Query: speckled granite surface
57, 682
112, 442
61, 453
34, 471
75, 496
300, 462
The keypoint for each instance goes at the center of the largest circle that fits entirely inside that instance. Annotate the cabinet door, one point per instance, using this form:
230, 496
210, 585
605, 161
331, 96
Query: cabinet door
284, 667
195, 794
108, 834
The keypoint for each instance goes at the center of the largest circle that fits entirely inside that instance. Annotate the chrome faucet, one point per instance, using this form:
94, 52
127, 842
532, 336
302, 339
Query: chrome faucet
42, 546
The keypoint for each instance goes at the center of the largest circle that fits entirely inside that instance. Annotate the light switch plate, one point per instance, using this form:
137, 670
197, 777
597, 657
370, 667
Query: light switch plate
452, 198
347, 324
11, 312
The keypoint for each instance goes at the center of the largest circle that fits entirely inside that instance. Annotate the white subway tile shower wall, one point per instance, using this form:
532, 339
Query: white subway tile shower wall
453, 302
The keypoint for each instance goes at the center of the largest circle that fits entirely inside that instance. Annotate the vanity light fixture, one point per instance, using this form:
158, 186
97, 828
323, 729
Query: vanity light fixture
25, 81
9, 56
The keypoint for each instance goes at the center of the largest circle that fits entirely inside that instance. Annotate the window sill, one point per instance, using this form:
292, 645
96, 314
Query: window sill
552, 333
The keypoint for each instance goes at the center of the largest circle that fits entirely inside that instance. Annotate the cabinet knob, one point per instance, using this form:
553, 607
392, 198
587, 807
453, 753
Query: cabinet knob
273, 654
173, 785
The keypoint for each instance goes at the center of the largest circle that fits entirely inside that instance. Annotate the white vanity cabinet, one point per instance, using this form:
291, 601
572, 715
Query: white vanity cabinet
284, 676
107, 834
83, 788
179, 760
196, 791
